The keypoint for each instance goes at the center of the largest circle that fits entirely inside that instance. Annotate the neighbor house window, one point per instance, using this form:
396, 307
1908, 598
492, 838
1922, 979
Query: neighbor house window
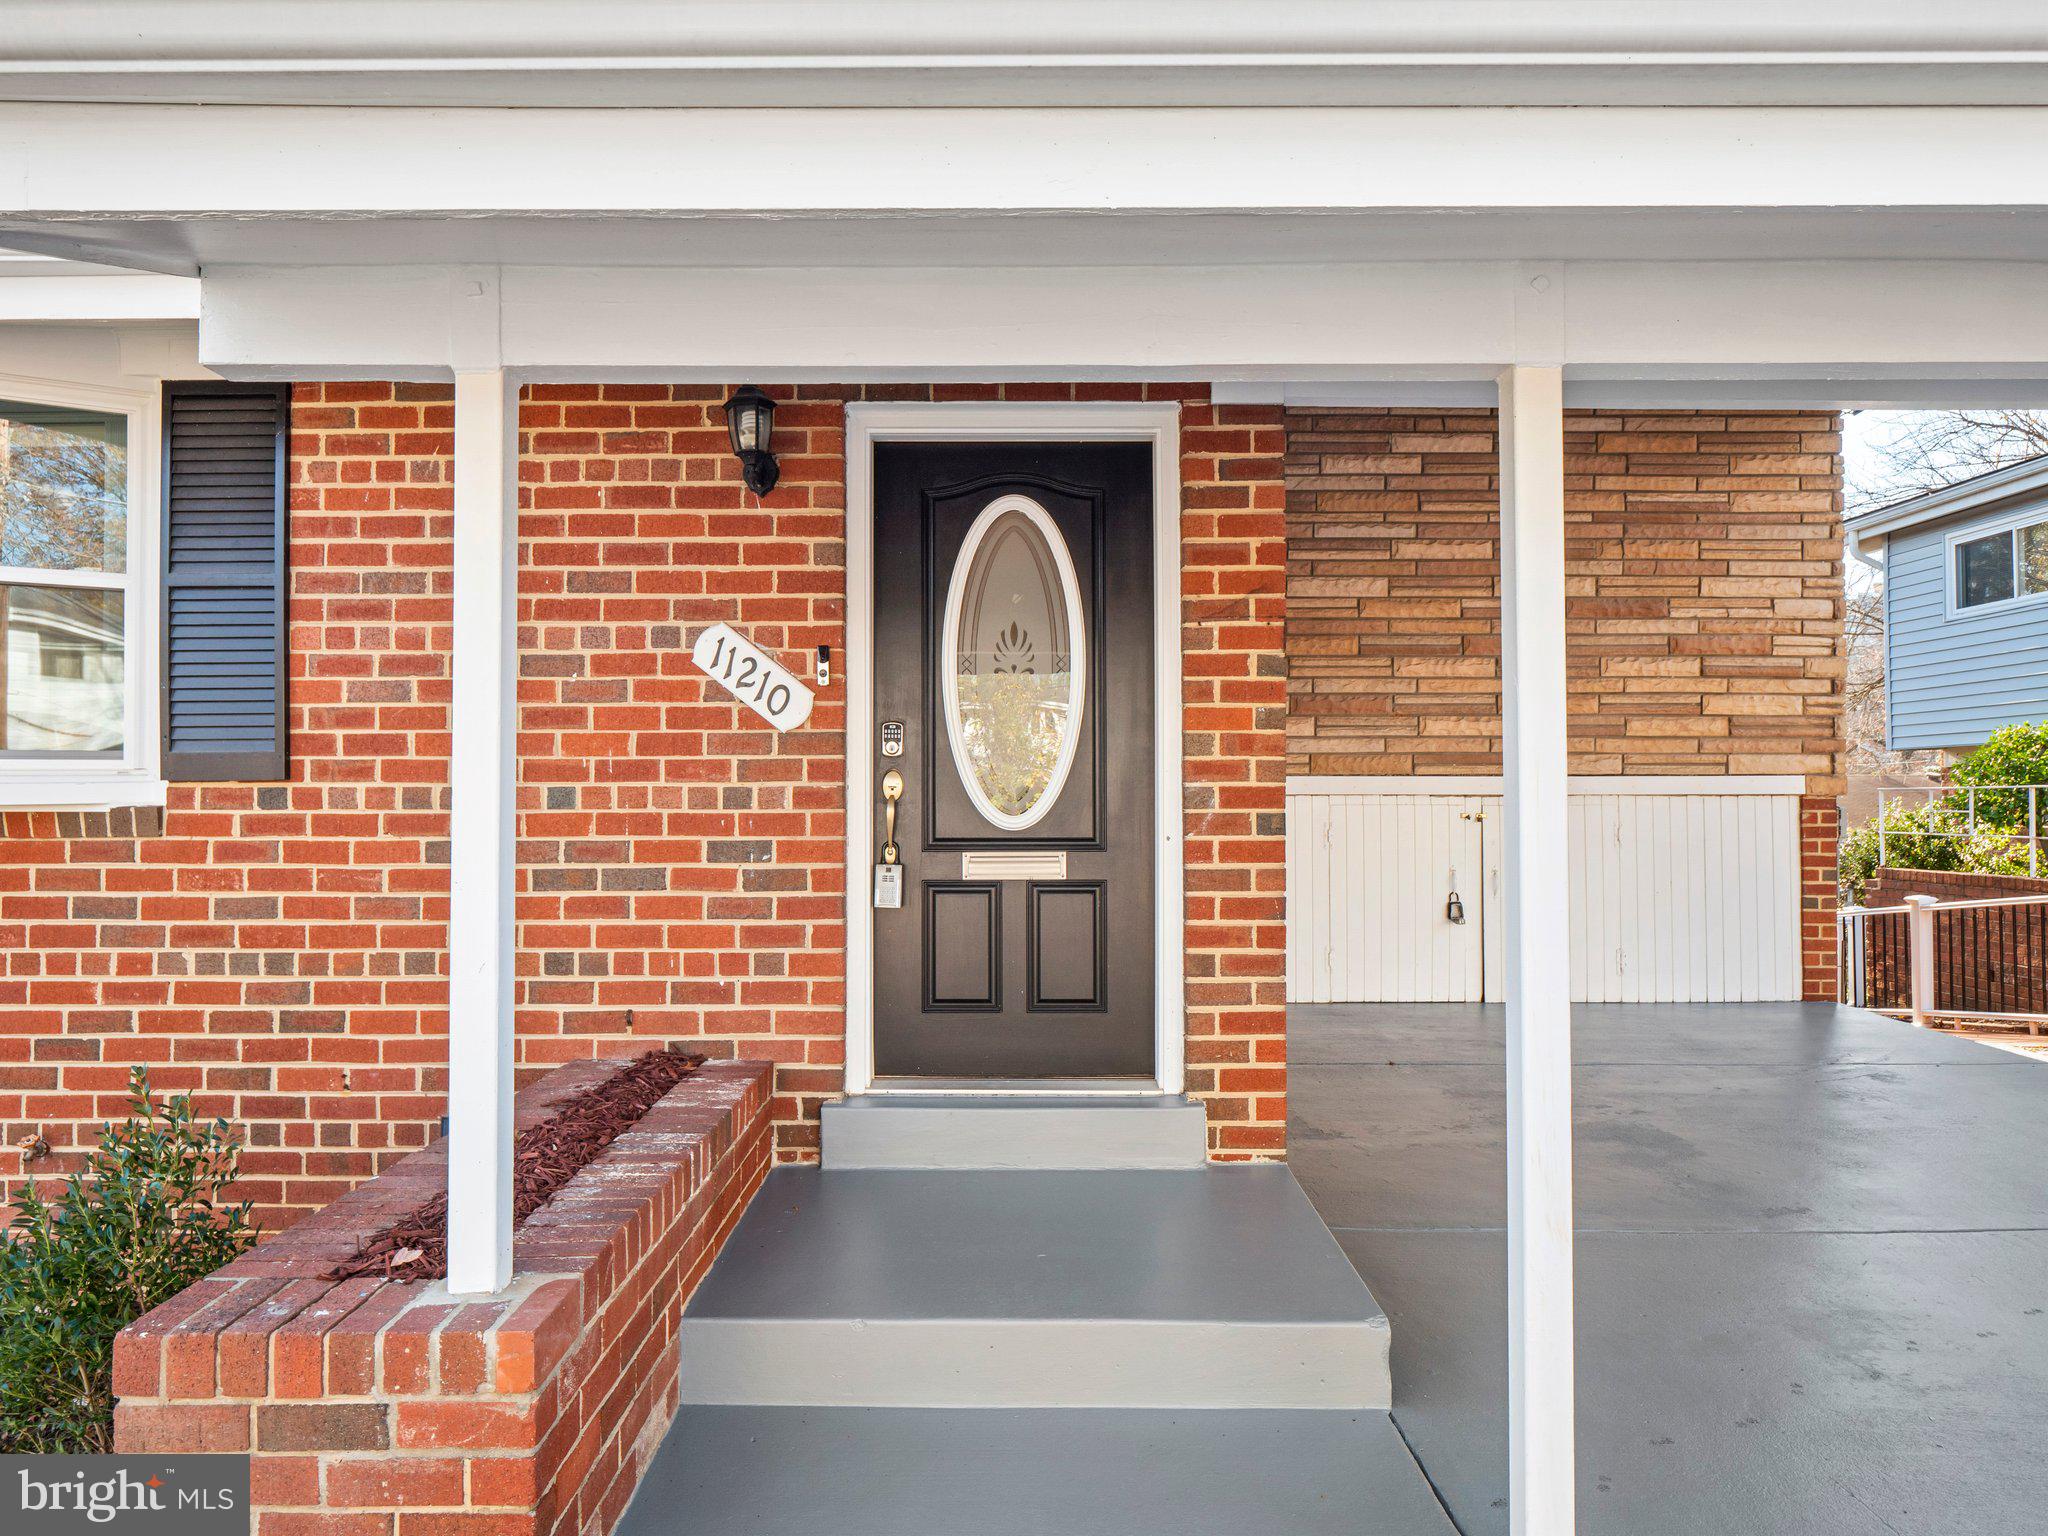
1998, 567
64, 605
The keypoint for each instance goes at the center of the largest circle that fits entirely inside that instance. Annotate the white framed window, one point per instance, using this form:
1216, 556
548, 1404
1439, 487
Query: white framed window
77, 597
1991, 567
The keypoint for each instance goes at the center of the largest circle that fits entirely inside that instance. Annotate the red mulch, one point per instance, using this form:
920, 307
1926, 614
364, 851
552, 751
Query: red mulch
544, 1158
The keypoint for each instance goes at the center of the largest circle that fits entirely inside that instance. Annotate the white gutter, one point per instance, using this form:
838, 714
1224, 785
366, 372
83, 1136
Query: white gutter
1863, 556
996, 52
76, 32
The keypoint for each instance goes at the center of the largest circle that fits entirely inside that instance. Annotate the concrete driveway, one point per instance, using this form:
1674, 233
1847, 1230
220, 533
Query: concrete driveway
1812, 1260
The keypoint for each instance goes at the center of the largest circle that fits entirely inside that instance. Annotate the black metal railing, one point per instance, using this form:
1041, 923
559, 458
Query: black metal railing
1876, 959
1988, 958
1991, 959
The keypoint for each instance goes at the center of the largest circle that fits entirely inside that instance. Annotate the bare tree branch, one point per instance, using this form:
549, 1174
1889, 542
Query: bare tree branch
1908, 452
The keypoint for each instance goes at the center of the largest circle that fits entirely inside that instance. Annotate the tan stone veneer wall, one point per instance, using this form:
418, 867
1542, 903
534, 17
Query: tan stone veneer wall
1704, 560
1703, 557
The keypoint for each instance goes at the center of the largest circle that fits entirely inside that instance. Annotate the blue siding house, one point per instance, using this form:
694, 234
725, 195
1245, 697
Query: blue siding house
1965, 605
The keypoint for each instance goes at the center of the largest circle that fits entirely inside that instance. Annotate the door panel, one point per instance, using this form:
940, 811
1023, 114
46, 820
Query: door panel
1013, 645
1370, 879
1068, 931
1674, 897
962, 946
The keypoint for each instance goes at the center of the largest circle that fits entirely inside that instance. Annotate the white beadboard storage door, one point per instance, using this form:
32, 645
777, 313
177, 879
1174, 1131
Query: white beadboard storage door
1685, 898
1676, 897
1369, 881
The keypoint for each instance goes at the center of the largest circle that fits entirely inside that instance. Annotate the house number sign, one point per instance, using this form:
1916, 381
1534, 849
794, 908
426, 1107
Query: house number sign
743, 670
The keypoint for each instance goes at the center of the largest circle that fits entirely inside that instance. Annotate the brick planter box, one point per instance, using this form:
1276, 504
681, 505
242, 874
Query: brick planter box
389, 1408
1888, 886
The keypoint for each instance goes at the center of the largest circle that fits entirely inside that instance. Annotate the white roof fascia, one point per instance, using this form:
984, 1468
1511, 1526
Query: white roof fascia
233, 162
47, 292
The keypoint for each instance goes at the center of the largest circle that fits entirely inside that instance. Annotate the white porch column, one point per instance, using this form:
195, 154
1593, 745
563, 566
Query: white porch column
1539, 1088
482, 773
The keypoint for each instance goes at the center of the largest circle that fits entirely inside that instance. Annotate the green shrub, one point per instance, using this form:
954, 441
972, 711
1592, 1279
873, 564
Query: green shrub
1905, 845
2013, 754
139, 1223
1913, 840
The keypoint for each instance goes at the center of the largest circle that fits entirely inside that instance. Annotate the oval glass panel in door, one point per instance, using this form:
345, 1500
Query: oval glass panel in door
1014, 662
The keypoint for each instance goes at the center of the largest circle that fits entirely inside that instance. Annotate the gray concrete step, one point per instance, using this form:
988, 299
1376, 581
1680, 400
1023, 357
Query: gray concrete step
944, 1131
1215, 1287
1032, 1472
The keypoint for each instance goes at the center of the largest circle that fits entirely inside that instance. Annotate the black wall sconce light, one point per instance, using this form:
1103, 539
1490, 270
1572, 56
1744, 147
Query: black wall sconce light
750, 418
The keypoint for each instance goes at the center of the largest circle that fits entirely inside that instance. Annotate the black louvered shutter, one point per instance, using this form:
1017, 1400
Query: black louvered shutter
224, 580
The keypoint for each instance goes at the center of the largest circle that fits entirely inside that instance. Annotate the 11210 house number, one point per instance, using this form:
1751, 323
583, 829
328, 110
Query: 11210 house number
743, 670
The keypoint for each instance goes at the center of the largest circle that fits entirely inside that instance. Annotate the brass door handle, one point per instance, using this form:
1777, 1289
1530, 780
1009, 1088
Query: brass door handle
892, 791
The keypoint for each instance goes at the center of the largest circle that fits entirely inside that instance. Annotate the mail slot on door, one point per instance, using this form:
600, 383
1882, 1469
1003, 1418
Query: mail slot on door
1020, 864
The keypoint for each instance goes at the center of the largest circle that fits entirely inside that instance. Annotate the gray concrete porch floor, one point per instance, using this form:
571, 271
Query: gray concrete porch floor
1812, 1260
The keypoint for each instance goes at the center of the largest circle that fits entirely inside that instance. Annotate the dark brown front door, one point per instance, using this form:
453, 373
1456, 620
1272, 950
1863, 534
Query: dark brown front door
1013, 694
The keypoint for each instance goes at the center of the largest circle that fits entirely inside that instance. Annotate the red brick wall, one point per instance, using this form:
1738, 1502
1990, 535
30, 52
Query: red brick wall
279, 948
681, 863
374, 1406
1233, 655
1820, 833
1890, 886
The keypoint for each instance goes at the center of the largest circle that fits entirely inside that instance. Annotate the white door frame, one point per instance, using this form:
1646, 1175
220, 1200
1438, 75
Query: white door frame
1156, 424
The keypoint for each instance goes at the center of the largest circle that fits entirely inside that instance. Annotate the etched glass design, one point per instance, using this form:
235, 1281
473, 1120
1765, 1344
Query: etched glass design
1014, 662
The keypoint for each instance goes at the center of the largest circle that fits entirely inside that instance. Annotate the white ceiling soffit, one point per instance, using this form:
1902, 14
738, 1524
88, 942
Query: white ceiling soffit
1048, 52
189, 245
331, 185
97, 161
